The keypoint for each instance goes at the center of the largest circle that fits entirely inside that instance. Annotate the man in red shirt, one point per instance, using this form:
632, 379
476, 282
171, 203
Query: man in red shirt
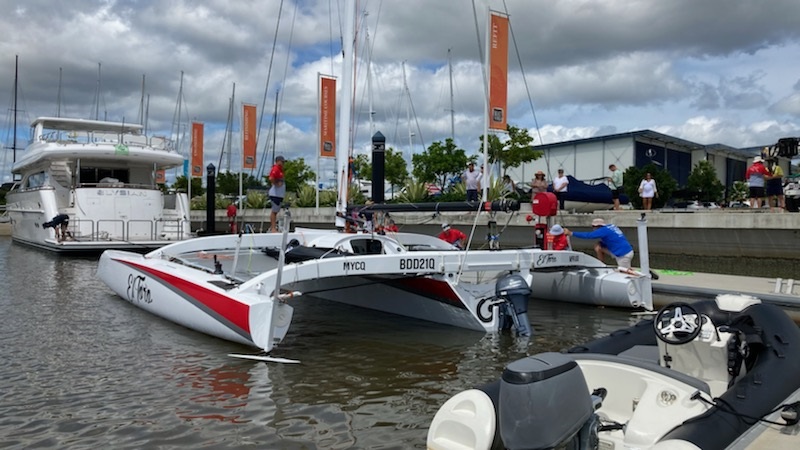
277, 191
232, 217
453, 236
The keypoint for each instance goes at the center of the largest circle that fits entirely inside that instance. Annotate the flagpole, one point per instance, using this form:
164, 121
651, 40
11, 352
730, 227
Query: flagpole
487, 81
319, 138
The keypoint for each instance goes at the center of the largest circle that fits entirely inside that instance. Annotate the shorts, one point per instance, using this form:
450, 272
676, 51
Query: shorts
625, 260
757, 192
472, 195
276, 203
774, 188
615, 193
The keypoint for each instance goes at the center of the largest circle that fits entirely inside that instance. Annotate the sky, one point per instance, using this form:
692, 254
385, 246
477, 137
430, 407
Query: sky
711, 71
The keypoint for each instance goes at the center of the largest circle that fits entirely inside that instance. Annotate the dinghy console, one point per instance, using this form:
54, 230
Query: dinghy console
694, 368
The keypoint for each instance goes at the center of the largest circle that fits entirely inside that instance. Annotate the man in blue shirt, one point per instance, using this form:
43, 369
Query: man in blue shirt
612, 242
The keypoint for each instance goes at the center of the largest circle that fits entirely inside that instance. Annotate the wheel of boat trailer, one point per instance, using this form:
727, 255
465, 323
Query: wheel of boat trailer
677, 323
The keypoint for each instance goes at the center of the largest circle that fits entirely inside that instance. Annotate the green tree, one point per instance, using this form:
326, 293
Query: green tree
395, 166
665, 184
228, 183
362, 167
439, 162
296, 174
740, 192
180, 184
514, 151
704, 184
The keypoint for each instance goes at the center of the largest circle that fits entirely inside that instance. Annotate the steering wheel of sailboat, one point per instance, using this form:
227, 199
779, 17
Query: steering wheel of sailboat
677, 323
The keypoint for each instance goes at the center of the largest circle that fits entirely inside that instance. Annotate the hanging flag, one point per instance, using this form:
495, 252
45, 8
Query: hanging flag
161, 176
498, 64
327, 117
197, 149
249, 137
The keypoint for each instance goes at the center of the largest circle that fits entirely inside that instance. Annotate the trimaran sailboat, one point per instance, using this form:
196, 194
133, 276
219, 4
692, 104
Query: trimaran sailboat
228, 286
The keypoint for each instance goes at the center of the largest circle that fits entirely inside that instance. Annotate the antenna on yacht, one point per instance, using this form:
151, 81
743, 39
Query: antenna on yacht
58, 95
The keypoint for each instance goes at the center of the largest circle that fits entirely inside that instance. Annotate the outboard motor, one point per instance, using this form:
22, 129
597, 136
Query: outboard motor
515, 291
540, 402
529, 390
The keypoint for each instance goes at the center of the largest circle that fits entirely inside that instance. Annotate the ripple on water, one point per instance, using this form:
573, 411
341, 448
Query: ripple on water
84, 369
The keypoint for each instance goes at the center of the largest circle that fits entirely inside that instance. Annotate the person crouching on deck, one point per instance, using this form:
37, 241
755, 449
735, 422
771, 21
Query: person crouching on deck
453, 236
612, 242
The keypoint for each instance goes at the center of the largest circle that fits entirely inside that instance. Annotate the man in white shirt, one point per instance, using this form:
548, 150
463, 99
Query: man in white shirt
472, 180
560, 184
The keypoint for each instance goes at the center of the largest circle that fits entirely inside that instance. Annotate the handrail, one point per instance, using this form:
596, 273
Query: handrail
98, 232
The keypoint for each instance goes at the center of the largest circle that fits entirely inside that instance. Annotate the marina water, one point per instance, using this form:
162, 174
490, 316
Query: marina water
82, 368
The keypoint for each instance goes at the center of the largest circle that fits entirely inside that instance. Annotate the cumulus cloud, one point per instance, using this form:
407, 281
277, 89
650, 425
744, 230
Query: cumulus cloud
711, 71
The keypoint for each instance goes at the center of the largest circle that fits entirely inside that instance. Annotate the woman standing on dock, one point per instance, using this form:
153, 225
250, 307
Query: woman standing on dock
648, 190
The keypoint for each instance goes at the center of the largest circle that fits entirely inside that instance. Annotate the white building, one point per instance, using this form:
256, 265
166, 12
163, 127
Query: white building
588, 159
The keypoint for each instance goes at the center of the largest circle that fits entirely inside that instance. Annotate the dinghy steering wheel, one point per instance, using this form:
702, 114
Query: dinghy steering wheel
677, 323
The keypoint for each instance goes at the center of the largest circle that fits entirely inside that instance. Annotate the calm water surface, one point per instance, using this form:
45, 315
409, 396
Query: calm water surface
82, 368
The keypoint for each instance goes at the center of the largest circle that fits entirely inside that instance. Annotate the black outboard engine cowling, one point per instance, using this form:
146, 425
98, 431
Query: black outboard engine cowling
544, 402
515, 290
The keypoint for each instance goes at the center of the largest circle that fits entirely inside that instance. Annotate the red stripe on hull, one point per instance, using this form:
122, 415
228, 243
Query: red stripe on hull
235, 312
429, 287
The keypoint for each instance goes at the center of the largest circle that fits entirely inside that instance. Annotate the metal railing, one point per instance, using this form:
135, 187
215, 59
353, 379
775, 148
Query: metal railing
126, 230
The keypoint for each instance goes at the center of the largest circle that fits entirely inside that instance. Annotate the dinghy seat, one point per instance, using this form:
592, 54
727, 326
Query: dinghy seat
650, 400
646, 365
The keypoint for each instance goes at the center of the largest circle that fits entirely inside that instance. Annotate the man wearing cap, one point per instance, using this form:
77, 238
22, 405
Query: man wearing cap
277, 191
756, 175
452, 236
472, 180
612, 242
560, 184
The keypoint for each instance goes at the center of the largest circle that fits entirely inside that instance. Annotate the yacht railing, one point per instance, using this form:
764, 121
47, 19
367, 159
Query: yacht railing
130, 140
108, 230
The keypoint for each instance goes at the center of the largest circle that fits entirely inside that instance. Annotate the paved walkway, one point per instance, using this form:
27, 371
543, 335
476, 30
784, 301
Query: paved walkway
786, 294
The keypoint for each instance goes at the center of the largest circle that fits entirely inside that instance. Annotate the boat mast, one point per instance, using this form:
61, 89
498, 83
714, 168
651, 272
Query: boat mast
345, 105
452, 110
369, 85
176, 118
226, 140
16, 85
408, 115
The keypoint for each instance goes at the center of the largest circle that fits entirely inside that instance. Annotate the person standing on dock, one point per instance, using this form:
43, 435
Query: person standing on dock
472, 180
774, 189
560, 186
538, 184
648, 190
612, 242
615, 184
756, 176
277, 191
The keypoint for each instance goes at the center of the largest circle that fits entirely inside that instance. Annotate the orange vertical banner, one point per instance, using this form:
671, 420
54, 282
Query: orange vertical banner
327, 117
197, 149
249, 137
161, 176
498, 63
